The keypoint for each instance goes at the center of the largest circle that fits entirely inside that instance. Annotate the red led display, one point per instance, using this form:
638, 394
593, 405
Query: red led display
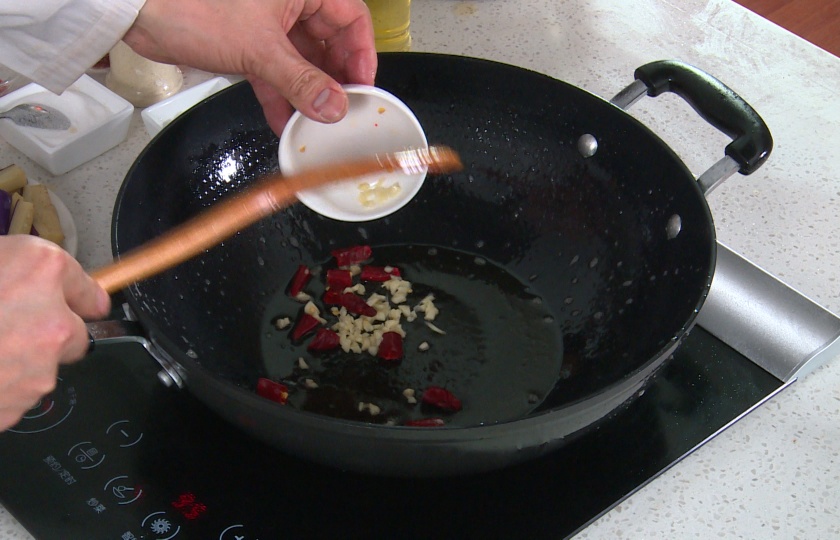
188, 506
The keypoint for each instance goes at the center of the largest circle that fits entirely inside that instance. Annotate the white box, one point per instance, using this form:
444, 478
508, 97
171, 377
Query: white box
99, 118
158, 116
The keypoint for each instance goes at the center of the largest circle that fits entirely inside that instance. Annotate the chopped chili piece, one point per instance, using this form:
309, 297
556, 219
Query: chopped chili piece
356, 304
325, 340
272, 390
299, 280
305, 324
391, 347
441, 398
379, 273
426, 422
332, 297
352, 255
338, 280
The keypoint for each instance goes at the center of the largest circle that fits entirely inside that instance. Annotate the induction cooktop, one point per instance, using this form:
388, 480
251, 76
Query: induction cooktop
114, 454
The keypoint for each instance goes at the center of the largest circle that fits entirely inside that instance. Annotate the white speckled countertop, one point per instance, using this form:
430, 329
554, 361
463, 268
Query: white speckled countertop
776, 473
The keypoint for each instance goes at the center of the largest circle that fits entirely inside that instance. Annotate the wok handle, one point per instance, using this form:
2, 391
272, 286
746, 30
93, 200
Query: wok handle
717, 104
269, 195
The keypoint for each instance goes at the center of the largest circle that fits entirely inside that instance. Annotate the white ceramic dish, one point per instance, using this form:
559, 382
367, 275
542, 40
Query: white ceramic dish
159, 115
376, 122
99, 118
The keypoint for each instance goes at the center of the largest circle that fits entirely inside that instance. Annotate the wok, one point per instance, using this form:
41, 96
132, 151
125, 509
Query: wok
570, 259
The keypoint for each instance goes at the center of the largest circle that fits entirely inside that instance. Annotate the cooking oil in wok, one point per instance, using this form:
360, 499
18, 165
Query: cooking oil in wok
501, 352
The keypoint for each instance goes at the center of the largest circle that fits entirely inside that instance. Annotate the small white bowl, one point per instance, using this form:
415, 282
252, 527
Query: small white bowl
159, 115
99, 121
376, 122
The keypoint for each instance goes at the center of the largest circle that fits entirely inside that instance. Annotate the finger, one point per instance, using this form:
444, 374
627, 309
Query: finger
275, 106
350, 52
83, 295
311, 91
347, 66
77, 343
346, 28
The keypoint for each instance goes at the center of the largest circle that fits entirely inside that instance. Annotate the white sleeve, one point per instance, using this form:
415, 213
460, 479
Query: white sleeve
53, 42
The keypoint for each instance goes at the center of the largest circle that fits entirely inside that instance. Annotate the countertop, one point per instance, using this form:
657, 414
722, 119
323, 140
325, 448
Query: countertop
776, 473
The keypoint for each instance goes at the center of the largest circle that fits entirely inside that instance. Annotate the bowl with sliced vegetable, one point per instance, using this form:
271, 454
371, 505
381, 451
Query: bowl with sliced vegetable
28, 207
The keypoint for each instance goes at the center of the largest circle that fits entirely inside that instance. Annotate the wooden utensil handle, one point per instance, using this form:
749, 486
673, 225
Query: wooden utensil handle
270, 194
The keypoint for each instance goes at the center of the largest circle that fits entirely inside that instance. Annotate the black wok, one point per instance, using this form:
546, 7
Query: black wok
609, 253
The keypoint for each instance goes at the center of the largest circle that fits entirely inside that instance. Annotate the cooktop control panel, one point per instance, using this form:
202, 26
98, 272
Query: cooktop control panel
106, 454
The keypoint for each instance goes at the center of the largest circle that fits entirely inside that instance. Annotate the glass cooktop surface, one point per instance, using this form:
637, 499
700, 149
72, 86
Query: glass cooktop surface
113, 454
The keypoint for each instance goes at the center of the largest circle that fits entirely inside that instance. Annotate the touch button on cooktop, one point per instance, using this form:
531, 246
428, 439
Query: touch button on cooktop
52, 410
161, 526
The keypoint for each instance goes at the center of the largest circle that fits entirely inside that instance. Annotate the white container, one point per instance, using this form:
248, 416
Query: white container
99, 121
141, 81
159, 115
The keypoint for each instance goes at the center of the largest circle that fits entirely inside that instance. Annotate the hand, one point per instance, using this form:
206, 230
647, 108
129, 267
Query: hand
44, 297
295, 53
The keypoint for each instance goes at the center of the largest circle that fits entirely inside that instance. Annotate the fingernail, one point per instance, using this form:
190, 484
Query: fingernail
329, 105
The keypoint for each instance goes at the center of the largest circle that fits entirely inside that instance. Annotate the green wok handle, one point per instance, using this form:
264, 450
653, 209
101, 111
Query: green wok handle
717, 104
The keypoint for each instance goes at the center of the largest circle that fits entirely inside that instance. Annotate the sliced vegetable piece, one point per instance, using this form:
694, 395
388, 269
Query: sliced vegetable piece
272, 390
12, 178
5, 212
352, 255
325, 340
391, 347
302, 276
338, 280
22, 218
46, 217
441, 398
426, 422
356, 304
304, 325
379, 273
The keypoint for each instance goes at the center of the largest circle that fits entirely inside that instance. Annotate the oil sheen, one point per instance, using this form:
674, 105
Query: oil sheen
501, 353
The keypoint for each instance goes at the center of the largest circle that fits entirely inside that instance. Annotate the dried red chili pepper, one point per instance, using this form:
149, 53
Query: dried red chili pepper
338, 280
391, 347
356, 304
425, 422
352, 255
299, 280
441, 398
324, 340
332, 297
305, 324
379, 273
272, 390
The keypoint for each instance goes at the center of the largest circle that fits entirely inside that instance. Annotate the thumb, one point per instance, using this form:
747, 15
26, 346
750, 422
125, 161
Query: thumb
84, 296
311, 91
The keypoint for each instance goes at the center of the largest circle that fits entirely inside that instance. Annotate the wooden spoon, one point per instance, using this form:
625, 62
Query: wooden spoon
269, 195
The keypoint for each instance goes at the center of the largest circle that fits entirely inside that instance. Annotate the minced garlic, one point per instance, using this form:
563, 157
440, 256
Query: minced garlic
377, 193
427, 306
312, 309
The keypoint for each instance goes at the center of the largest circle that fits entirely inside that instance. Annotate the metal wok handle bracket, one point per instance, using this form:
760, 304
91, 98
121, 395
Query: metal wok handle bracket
127, 330
717, 104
